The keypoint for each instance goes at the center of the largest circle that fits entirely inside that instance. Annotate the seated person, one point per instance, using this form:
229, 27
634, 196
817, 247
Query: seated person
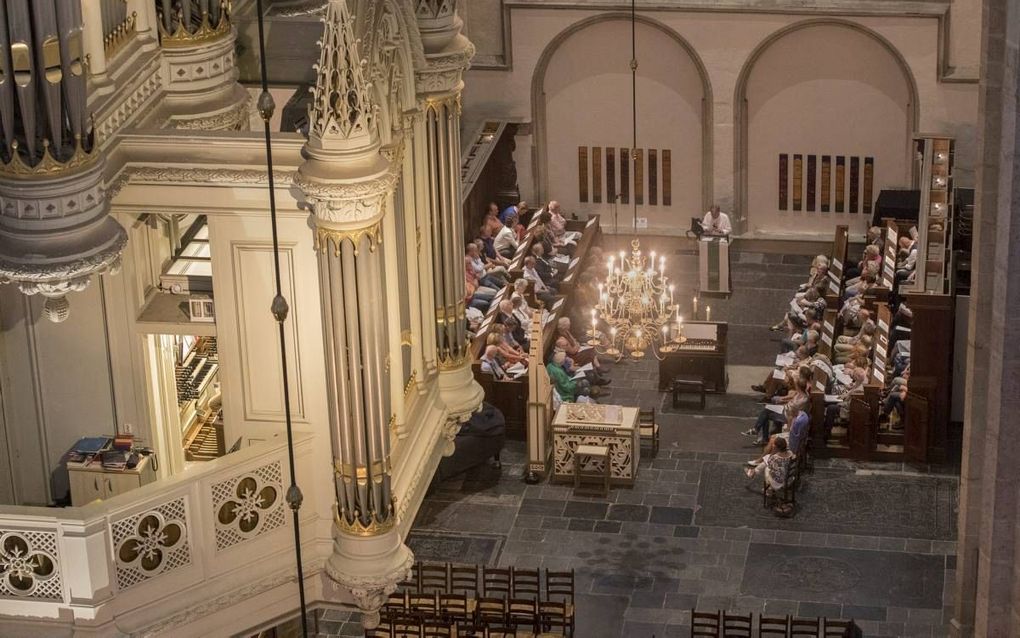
895, 400
508, 349
794, 433
774, 466
487, 246
491, 223
509, 318
544, 293
514, 334
872, 253
476, 296
840, 411
795, 400
488, 273
867, 281
845, 344
568, 389
474, 318
505, 241
474, 272
491, 363
557, 224
582, 355
906, 265
546, 270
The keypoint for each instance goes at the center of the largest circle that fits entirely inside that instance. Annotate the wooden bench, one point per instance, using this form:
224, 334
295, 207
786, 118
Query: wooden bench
690, 384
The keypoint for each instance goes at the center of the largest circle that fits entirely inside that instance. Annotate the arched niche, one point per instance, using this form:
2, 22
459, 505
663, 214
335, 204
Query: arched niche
581, 96
820, 87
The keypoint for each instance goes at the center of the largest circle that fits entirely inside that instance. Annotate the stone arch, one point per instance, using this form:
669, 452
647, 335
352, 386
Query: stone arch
740, 104
392, 50
538, 98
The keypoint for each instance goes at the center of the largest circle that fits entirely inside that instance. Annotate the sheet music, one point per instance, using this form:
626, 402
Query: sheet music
586, 367
561, 259
778, 374
578, 375
517, 368
844, 379
784, 359
778, 409
832, 398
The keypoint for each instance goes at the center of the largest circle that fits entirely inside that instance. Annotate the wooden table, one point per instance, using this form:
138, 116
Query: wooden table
611, 426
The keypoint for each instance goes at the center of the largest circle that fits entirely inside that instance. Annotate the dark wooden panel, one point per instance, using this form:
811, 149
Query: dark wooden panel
840, 182
869, 184
855, 183
667, 178
798, 181
596, 174
624, 175
812, 169
610, 174
582, 174
783, 181
653, 177
639, 177
826, 182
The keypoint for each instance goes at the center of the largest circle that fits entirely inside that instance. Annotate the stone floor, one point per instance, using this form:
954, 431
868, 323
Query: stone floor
873, 542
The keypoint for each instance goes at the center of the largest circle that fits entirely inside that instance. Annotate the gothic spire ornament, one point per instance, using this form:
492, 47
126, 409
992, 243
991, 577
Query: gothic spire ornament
342, 113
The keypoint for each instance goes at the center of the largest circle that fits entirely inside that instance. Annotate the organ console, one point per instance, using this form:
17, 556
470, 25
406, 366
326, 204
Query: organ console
702, 354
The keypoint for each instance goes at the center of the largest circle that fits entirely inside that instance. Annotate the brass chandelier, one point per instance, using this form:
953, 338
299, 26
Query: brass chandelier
636, 299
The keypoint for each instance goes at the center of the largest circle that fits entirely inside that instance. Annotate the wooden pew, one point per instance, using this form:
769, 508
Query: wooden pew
887, 271
837, 266
511, 396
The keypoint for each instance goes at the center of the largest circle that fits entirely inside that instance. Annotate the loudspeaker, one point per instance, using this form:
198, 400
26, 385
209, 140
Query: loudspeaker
897, 204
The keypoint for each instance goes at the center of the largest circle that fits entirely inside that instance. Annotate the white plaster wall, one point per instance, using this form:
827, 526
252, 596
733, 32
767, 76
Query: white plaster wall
588, 103
56, 386
824, 90
724, 41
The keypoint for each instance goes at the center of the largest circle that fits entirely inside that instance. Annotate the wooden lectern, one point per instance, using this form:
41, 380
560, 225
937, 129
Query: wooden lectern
714, 264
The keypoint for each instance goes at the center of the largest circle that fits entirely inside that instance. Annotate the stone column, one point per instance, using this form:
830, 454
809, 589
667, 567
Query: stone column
348, 183
439, 84
987, 594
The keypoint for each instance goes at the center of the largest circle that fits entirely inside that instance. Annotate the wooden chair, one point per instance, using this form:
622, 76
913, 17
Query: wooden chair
470, 629
704, 624
490, 611
773, 626
396, 603
437, 630
736, 625
559, 588
525, 583
464, 580
454, 608
522, 613
496, 582
787, 493
838, 628
804, 628
423, 605
413, 580
434, 578
649, 430
552, 617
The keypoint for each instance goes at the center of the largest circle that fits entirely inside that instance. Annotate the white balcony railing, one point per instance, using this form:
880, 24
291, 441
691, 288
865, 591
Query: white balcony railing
112, 557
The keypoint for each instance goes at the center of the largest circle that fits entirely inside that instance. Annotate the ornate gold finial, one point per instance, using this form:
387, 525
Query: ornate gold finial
121, 34
49, 165
206, 32
376, 525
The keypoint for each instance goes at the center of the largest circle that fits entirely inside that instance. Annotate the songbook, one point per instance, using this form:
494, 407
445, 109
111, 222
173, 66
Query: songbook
778, 409
784, 359
844, 379
832, 398
586, 367
578, 375
778, 374
561, 259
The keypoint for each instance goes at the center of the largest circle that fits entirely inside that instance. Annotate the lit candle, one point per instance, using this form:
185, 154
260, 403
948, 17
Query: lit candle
695, 308
665, 333
708, 313
671, 294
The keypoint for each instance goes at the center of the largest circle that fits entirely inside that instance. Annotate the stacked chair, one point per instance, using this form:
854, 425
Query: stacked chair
721, 624
447, 600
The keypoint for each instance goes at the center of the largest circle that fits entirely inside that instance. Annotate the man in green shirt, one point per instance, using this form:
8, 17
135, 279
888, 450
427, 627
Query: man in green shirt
568, 389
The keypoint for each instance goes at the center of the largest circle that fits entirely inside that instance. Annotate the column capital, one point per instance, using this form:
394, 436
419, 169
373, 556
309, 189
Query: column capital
443, 72
347, 204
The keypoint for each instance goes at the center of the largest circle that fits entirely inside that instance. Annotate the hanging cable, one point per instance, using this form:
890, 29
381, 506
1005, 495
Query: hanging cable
279, 308
633, 95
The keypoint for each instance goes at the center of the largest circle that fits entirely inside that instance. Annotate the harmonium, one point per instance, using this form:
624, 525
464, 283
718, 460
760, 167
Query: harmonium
612, 426
701, 353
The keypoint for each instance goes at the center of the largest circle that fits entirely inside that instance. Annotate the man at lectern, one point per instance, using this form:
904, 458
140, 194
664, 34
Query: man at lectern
717, 223
714, 252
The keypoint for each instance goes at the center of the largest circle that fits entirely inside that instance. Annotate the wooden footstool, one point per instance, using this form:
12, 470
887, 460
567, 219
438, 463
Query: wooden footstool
690, 384
597, 455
